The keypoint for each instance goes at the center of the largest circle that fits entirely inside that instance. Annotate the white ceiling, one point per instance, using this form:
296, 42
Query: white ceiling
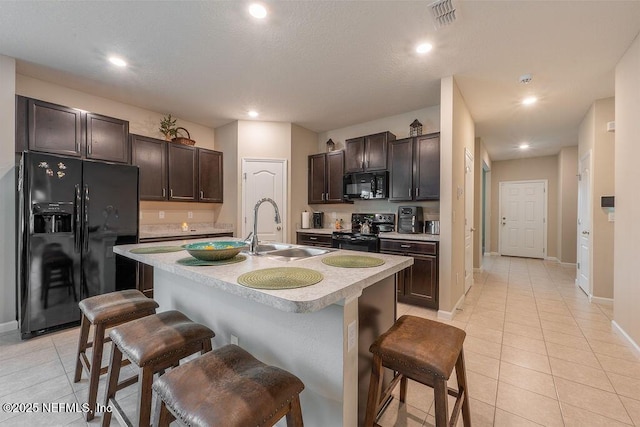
329, 64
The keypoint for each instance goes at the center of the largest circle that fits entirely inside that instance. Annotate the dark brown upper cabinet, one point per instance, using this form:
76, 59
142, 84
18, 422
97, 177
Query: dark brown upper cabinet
414, 168
209, 176
57, 129
107, 138
367, 153
150, 155
182, 172
53, 128
325, 177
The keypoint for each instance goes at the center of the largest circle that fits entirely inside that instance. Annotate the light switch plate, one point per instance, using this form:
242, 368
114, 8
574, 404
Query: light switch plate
190, 215
161, 214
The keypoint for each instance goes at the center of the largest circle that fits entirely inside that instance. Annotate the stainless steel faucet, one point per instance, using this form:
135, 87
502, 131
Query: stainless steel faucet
253, 244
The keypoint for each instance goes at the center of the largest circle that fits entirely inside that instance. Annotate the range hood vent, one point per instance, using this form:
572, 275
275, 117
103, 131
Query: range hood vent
444, 13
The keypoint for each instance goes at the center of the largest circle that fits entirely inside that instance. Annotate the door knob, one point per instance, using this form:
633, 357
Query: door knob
585, 232
278, 228
472, 229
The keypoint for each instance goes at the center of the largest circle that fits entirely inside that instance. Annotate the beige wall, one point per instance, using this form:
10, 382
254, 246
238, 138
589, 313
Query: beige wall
265, 140
531, 168
627, 176
141, 122
227, 141
481, 161
567, 204
593, 136
397, 125
456, 134
7, 195
303, 143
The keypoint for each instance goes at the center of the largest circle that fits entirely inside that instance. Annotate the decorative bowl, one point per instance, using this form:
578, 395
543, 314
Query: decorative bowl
215, 251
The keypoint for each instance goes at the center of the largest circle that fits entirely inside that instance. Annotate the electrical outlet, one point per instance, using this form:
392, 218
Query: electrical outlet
161, 214
190, 215
234, 339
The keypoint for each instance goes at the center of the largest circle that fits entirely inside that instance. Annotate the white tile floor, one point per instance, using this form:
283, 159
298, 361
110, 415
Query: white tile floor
537, 353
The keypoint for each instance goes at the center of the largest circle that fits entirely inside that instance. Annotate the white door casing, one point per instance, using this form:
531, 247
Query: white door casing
583, 265
264, 178
522, 222
468, 220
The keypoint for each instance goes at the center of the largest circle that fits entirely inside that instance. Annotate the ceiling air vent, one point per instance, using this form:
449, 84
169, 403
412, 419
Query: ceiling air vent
444, 13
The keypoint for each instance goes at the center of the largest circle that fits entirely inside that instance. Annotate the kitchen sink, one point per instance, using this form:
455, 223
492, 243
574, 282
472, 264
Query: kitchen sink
292, 254
269, 247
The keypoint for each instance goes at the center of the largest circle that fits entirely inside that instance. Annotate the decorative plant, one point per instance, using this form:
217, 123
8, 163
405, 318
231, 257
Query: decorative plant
168, 127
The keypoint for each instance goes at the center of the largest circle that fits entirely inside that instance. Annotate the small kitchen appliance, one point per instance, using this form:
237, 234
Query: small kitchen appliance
432, 227
410, 219
318, 219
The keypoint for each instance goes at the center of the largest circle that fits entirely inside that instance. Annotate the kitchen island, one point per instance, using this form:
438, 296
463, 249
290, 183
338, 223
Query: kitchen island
321, 333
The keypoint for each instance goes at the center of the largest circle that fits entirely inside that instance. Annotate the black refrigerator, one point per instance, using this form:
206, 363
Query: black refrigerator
71, 212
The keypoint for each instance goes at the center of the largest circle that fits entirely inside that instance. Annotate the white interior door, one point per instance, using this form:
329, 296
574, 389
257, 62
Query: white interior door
264, 178
583, 275
523, 218
468, 221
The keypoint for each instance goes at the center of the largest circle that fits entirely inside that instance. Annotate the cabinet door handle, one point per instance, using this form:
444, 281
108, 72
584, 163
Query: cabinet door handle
323, 196
410, 192
171, 192
417, 191
313, 238
201, 194
405, 246
89, 147
164, 192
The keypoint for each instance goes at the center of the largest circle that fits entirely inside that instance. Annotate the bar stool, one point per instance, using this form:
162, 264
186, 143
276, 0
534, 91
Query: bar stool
105, 311
154, 343
424, 351
228, 387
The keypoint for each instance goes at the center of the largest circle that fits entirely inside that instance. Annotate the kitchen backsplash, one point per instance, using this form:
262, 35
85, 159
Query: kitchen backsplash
177, 213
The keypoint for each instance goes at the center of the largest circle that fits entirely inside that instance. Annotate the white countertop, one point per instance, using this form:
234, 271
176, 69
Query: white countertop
337, 285
393, 235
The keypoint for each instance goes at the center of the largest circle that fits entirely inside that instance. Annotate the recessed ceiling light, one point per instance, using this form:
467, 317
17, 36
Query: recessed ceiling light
258, 11
529, 100
253, 113
424, 47
523, 146
117, 61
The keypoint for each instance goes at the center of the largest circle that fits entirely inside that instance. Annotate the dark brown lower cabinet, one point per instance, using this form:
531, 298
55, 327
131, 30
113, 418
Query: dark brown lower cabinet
314, 239
418, 284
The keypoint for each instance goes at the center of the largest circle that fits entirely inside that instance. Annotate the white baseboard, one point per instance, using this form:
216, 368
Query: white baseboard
494, 253
628, 338
8, 326
449, 315
602, 301
551, 258
478, 269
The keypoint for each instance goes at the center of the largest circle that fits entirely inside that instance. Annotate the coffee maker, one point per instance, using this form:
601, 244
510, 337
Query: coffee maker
318, 219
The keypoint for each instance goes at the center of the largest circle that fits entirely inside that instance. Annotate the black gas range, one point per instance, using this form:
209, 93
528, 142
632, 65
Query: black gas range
356, 239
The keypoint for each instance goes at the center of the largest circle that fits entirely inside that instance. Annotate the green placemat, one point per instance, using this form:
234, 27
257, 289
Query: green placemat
195, 262
156, 250
280, 278
352, 261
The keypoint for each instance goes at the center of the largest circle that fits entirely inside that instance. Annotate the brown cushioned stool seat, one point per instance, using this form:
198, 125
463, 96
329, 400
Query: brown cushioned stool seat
105, 311
425, 351
229, 387
154, 343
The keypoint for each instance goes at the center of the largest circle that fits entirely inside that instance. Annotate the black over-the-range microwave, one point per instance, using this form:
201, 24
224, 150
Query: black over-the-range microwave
370, 185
